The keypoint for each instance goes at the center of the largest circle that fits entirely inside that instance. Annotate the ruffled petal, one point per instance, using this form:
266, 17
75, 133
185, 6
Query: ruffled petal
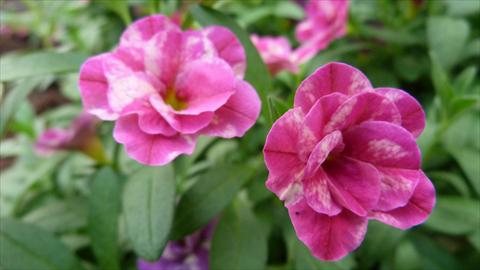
153, 150
328, 237
205, 86
330, 78
354, 184
382, 144
197, 46
397, 187
142, 30
238, 115
329, 143
415, 212
149, 120
318, 195
413, 116
228, 48
93, 87
360, 108
322, 111
287, 185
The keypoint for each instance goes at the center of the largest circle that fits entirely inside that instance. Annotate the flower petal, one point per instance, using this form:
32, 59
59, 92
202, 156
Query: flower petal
413, 116
287, 184
328, 237
329, 143
144, 29
397, 187
237, 115
415, 212
382, 144
187, 124
148, 149
228, 48
354, 184
196, 46
322, 111
318, 195
330, 78
360, 108
93, 87
149, 120
205, 85
162, 56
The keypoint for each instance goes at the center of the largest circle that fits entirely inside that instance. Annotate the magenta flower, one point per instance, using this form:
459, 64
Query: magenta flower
276, 52
80, 136
164, 87
325, 21
190, 253
344, 154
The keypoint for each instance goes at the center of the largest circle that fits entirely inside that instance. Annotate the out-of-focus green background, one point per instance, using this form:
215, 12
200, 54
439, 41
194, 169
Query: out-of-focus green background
428, 48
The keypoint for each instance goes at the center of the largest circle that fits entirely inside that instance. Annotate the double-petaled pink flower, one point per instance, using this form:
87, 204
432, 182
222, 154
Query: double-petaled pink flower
344, 154
276, 52
164, 87
325, 21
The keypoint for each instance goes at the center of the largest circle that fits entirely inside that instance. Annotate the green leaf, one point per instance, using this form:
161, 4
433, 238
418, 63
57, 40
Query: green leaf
453, 179
447, 38
432, 255
15, 97
103, 217
120, 7
28, 247
208, 196
454, 215
257, 73
39, 64
378, 234
462, 8
474, 239
469, 160
406, 257
441, 82
238, 241
463, 82
148, 206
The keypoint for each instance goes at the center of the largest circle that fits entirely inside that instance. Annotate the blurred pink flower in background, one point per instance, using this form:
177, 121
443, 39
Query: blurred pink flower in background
344, 154
325, 21
276, 52
164, 87
80, 136
190, 253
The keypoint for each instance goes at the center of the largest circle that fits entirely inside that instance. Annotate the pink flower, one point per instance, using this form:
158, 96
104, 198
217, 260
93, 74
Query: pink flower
164, 87
81, 136
325, 21
344, 154
276, 52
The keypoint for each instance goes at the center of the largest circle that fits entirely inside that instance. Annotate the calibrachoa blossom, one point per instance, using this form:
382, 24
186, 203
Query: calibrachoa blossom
347, 153
164, 87
325, 21
190, 253
81, 136
276, 52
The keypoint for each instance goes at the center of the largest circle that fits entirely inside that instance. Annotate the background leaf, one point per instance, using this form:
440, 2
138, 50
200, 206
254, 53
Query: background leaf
103, 217
27, 247
148, 206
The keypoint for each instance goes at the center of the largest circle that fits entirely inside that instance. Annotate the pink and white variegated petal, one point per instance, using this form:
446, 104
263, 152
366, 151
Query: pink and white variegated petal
322, 111
413, 116
187, 124
126, 89
329, 143
196, 46
287, 186
238, 115
415, 212
149, 120
355, 185
397, 187
153, 150
93, 87
228, 48
330, 78
285, 143
163, 54
382, 144
318, 195
141, 31
205, 85
363, 107
328, 237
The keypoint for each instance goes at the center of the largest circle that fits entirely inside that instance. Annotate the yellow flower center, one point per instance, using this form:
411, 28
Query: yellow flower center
175, 102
